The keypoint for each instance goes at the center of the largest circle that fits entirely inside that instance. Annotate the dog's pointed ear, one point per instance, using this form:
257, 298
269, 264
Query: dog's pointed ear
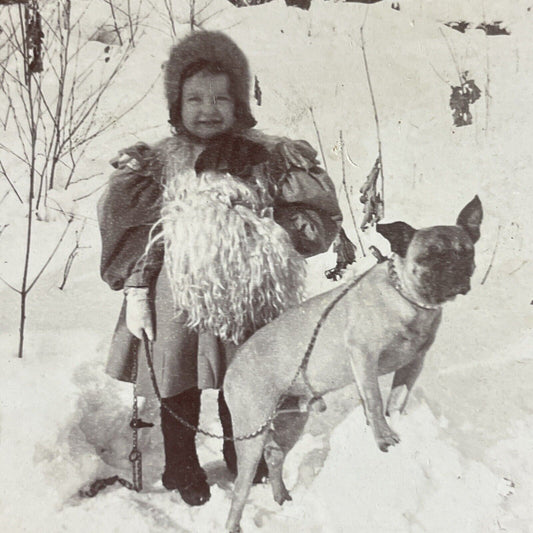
399, 234
470, 218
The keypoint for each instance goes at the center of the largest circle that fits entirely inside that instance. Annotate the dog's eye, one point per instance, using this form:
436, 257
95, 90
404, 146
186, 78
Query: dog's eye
428, 257
464, 251
469, 251
423, 258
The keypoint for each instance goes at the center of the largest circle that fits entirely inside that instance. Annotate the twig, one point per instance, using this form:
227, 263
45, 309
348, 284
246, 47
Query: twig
14, 154
130, 21
72, 256
101, 186
50, 257
170, 11
5, 195
440, 76
515, 270
9, 285
55, 144
376, 117
33, 127
81, 120
204, 7
459, 75
22, 134
112, 122
345, 187
110, 2
192, 6
75, 216
200, 23
86, 178
488, 96
5, 120
492, 257
319, 139
3, 169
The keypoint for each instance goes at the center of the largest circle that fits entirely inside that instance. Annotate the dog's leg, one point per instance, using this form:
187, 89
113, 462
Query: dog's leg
366, 379
287, 430
404, 379
248, 454
274, 457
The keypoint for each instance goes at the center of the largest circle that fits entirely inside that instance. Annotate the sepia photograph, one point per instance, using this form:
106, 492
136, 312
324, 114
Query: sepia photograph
264, 266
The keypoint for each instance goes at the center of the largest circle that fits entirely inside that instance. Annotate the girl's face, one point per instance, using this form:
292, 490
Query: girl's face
207, 107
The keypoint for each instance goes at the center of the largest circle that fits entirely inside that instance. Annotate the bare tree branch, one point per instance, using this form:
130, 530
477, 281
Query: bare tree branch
4, 172
101, 186
113, 14
54, 113
75, 216
86, 178
170, 11
9, 285
348, 199
50, 257
14, 154
130, 21
209, 17
319, 139
376, 117
492, 257
117, 117
450, 49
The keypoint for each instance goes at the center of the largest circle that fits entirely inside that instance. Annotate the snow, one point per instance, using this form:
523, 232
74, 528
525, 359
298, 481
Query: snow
465, 461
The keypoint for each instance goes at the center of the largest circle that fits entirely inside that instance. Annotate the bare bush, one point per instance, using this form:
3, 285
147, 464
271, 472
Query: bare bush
53, 83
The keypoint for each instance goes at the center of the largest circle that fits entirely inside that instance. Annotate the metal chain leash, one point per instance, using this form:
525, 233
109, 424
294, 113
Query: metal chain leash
316, 401
135, 456
149, 358
397, 284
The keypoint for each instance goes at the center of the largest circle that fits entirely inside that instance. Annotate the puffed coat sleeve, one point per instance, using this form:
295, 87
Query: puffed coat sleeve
127, 212
306, 204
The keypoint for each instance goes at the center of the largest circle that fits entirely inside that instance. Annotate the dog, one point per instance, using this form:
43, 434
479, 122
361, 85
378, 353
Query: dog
382, 322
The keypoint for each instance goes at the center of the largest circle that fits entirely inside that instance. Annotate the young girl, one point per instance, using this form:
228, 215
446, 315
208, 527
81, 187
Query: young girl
220, 271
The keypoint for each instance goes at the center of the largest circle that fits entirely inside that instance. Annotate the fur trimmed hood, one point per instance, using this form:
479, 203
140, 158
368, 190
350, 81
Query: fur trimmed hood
215, 47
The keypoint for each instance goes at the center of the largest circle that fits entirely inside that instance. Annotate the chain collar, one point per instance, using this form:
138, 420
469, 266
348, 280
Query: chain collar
397, 284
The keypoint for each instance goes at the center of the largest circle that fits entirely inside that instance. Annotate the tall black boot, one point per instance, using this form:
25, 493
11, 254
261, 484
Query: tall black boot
182, 468
228, 448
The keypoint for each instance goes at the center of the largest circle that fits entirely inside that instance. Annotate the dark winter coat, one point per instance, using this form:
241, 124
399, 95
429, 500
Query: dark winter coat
129, 207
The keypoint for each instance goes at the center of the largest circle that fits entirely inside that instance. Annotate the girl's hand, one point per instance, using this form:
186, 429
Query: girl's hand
139, 312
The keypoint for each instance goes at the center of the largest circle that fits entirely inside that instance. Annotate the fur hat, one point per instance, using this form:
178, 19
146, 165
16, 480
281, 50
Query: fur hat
213, 47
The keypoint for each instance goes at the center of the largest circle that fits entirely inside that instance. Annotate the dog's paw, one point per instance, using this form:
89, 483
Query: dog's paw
386, 438
282, 496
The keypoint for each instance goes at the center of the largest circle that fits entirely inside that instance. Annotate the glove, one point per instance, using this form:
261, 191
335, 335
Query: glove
305, 228
139, 312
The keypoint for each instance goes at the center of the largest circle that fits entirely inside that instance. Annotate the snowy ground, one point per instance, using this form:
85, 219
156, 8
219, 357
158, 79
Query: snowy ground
465, 463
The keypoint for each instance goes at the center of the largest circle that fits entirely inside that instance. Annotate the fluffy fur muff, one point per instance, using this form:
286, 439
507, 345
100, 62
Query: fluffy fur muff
231, 267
